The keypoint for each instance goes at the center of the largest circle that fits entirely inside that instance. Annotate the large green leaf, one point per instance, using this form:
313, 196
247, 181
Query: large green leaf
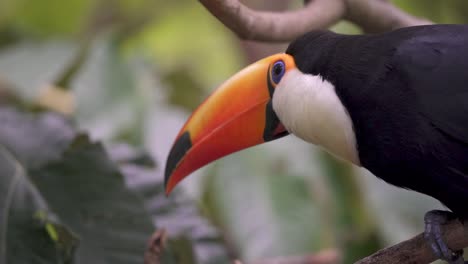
25, 236
47, 171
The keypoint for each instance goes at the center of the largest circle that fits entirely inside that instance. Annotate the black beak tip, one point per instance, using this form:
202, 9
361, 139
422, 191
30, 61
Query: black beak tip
177, 153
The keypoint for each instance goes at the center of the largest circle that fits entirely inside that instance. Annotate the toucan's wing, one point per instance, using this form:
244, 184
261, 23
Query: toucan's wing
433, 63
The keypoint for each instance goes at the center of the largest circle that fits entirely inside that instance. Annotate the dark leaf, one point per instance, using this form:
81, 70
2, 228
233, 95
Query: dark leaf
57, 185
34, 139
26, 234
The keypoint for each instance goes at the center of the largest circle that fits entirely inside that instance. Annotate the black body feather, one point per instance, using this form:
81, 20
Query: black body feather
406, 92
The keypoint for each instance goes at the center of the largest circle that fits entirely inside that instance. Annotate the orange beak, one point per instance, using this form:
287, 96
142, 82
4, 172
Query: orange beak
236, 116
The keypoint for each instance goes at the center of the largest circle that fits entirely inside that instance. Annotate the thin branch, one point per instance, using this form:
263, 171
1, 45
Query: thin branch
275, 26
417, 250
155, 247
372, 16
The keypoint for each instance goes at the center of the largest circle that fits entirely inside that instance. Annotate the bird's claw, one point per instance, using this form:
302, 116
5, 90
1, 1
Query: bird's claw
433, 235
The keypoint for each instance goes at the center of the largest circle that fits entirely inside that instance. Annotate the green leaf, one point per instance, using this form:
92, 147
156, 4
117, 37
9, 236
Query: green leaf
111, 103
54, 170
27, 135
29, 66
25, 238
110, 218
64, 239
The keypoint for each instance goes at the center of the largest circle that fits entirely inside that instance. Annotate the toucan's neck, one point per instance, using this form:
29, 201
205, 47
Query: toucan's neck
331, 67
309, 108
346, 64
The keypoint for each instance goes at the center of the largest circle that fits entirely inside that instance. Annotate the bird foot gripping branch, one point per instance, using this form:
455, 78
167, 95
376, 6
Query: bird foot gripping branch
394, 103
433, 234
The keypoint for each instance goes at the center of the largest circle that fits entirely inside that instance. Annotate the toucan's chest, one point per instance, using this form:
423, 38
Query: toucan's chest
398, 143
393, 138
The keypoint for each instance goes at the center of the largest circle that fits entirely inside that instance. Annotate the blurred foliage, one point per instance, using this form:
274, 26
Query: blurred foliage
357, 233
439, 11
265, 212
70, 203
170, 41
126, 73
44, 18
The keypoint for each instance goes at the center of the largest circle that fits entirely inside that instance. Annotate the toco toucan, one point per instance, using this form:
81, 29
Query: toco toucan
394, 103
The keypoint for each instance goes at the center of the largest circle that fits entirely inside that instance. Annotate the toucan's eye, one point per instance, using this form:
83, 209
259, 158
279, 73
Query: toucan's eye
277, 71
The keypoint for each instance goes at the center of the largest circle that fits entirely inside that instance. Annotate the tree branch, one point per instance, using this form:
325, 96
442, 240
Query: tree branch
275, 26
372, 16
417, 250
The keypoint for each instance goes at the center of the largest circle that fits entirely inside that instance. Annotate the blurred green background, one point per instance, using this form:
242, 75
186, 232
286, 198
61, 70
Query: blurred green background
125, 74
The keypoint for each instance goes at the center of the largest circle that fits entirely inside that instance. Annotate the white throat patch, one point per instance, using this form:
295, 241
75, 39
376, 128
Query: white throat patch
309, 107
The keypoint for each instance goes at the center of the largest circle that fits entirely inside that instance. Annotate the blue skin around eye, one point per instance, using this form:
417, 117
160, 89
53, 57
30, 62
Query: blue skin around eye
275, 74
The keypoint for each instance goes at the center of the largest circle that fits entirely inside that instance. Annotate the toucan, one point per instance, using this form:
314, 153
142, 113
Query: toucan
395, 103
